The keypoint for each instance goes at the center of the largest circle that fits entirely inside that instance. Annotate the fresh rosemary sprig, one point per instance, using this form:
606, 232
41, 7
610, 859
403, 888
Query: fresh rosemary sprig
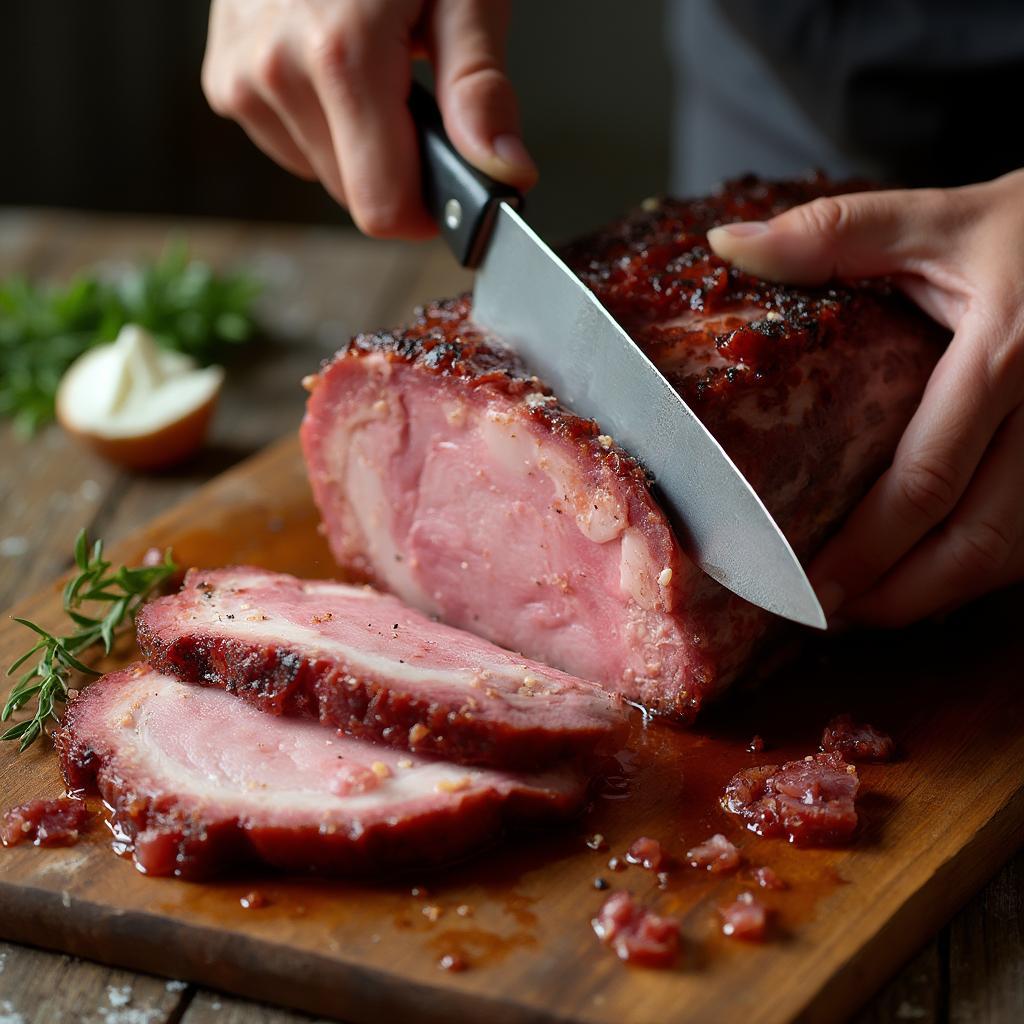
117, 594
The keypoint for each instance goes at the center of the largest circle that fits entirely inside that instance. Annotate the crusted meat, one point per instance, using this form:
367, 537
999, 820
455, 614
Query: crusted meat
446, 473
198, 781
365, 663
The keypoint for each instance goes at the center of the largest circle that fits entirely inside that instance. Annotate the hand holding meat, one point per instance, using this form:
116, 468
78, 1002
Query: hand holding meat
321, 87
945, 523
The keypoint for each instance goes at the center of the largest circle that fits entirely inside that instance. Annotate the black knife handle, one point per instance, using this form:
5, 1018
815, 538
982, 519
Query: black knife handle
462, 199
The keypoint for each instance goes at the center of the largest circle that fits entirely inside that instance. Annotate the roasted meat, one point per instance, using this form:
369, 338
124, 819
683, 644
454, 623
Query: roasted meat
450, 476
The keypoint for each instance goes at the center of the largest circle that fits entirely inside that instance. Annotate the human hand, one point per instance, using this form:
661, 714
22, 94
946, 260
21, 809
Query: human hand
321, 87
945, 523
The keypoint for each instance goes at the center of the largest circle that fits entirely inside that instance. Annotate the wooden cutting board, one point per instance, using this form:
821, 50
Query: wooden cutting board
936, 825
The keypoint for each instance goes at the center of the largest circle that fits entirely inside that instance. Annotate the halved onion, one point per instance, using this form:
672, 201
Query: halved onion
136, 403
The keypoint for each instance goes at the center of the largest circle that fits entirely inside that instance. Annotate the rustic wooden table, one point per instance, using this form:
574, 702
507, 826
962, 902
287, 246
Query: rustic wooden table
321, 286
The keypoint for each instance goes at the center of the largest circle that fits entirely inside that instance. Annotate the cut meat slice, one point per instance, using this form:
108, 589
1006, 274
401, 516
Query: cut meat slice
198, 781
447, 474
365, 663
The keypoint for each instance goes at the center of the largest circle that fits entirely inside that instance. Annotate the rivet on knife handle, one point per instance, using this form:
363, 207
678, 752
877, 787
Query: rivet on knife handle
462, 199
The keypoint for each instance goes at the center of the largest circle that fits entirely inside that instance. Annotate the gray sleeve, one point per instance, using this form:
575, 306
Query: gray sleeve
908, 91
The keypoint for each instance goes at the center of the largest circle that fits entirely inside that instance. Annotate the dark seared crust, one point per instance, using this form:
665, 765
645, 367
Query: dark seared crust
172, 835
442, 339
655, 265
285, 682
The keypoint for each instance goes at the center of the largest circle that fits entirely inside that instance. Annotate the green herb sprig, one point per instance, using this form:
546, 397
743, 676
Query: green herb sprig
117, 595
184, 303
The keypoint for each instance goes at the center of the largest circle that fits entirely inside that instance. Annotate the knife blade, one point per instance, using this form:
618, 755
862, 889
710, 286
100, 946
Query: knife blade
535, 304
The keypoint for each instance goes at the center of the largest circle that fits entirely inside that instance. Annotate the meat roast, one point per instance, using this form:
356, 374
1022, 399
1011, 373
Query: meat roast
448, 474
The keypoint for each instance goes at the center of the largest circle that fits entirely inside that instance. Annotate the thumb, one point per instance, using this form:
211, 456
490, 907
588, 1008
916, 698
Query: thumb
860, 235
477, 101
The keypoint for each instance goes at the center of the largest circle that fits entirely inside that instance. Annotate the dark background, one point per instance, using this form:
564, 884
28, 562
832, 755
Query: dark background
103, 110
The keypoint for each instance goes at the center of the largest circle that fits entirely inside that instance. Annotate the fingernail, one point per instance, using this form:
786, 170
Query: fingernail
830, 596
509, 149
743, 229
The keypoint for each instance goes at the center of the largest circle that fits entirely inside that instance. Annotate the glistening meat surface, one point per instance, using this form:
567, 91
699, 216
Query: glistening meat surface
198, 781
448, 474
365, 663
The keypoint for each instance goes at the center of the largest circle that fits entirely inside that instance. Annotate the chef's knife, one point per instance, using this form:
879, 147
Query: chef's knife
531, 300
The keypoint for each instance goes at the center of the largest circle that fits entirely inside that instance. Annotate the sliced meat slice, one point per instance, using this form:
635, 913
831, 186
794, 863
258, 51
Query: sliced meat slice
365, 663
446, 473
198, 781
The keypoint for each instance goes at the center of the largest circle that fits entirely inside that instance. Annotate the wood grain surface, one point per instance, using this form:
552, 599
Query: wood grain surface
938, 823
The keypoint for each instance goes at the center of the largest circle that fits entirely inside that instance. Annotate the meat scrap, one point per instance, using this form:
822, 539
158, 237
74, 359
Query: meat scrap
768, 878
716, 855
363, 662
637, 934
856, 742
198, 781
447, 473
811, 802
56, 822
647, 853
453, 962
744, 918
